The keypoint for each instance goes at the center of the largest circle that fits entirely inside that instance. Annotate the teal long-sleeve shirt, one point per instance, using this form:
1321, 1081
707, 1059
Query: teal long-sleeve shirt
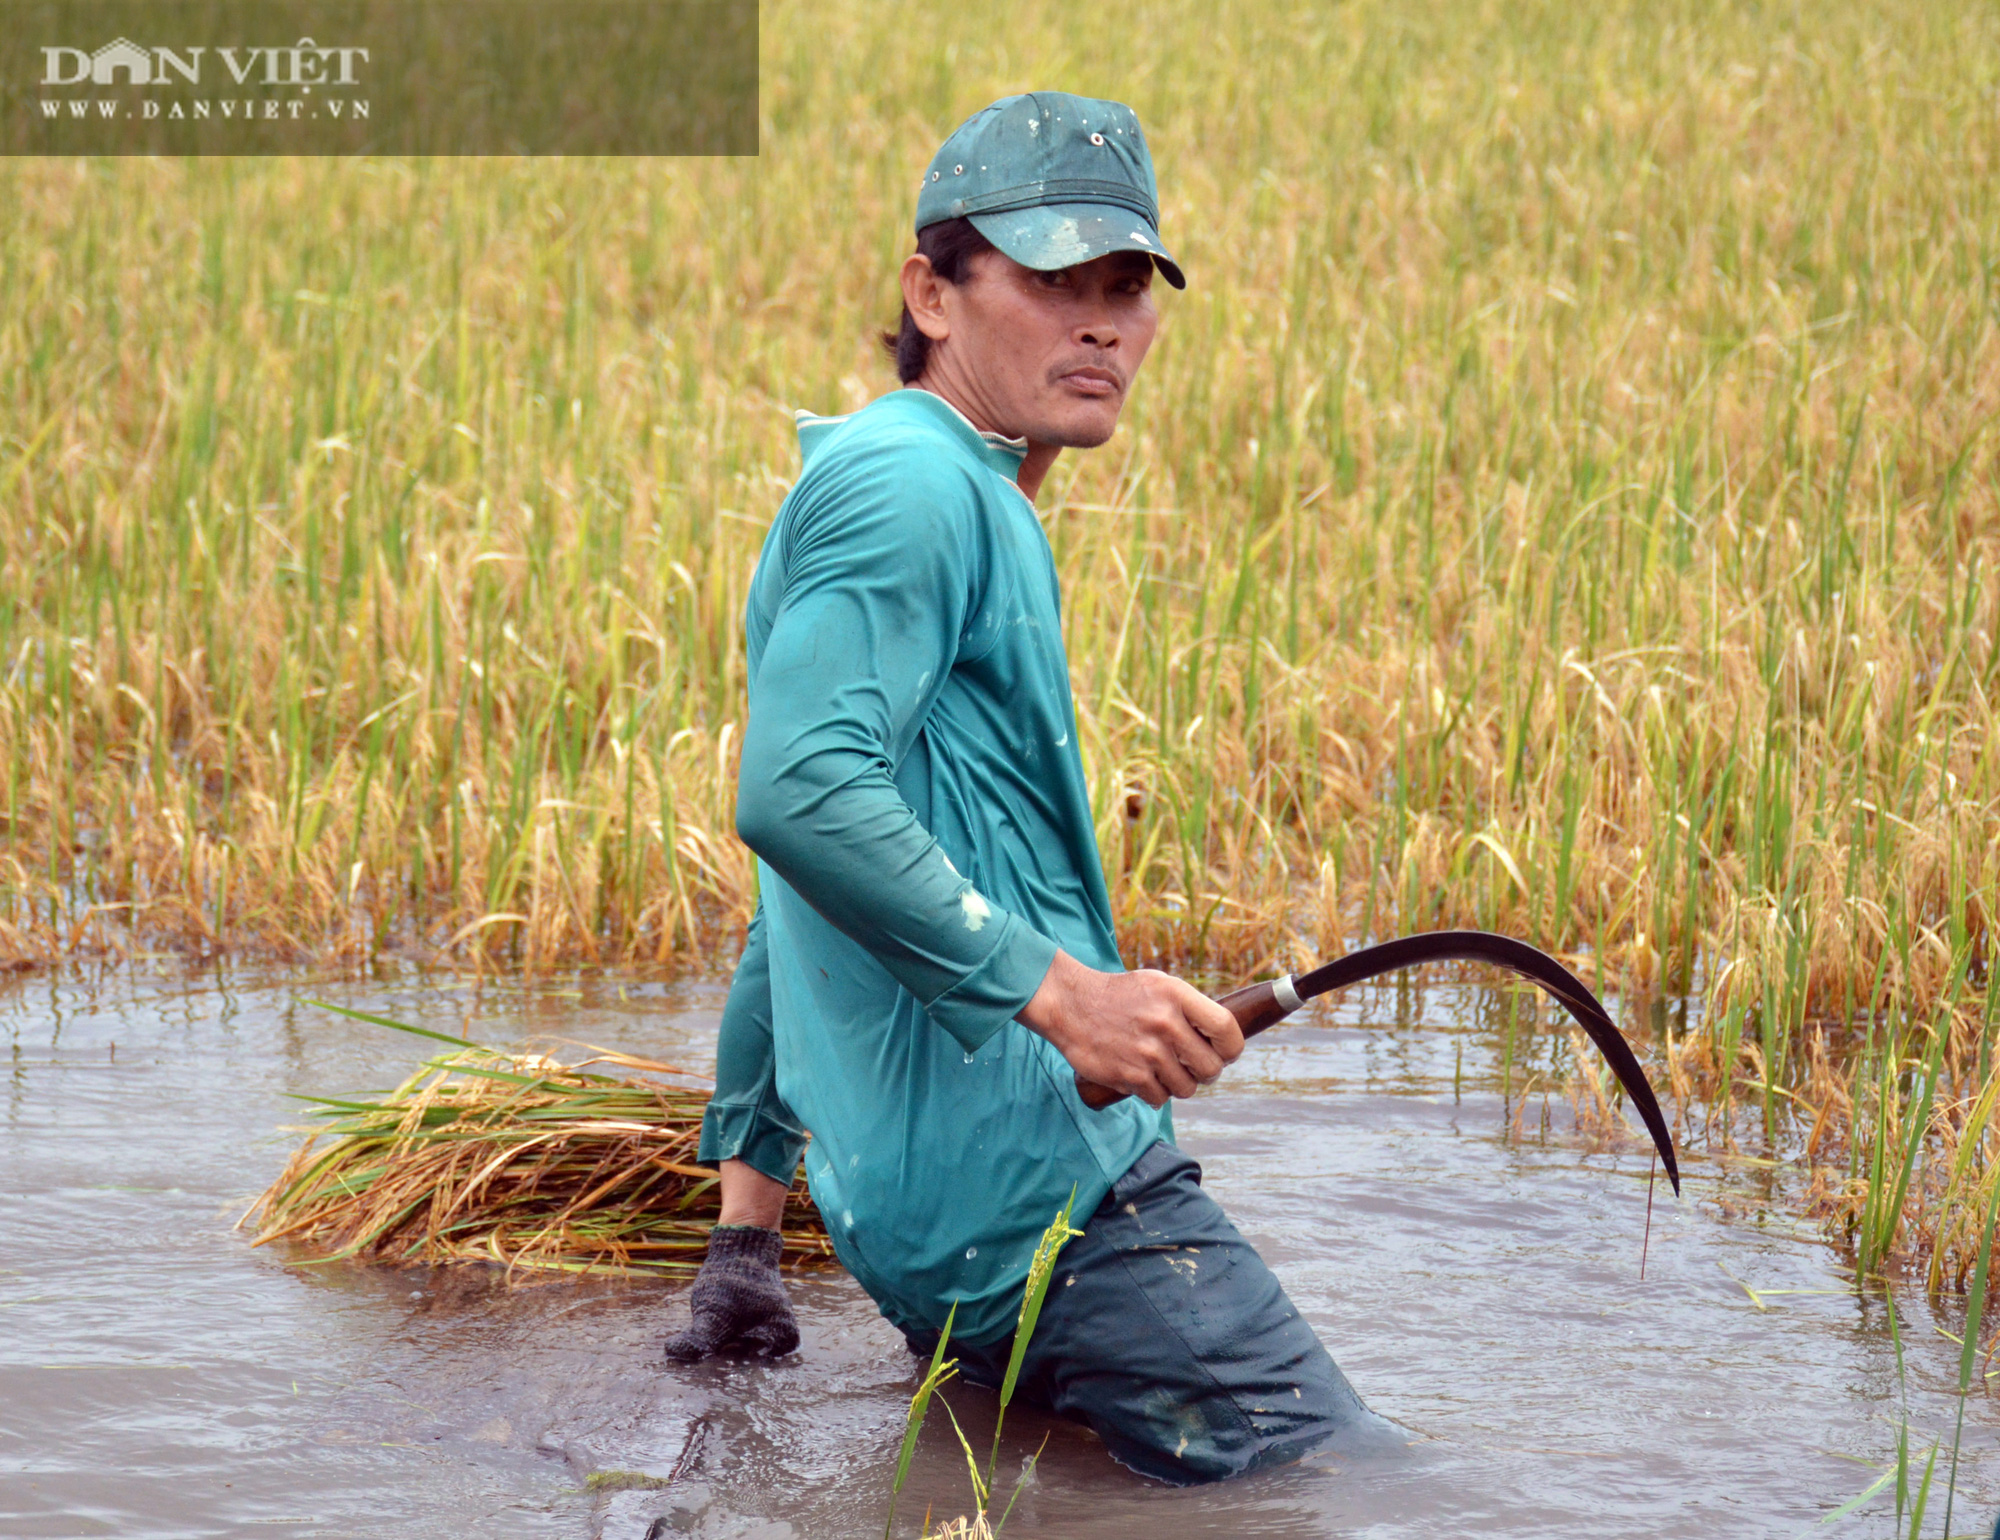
911, 786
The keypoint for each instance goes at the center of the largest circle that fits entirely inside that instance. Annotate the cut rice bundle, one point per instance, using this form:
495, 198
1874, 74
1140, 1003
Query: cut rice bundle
488, 1156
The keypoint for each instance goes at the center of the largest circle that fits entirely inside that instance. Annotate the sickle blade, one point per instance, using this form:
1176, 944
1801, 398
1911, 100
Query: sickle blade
1516, 957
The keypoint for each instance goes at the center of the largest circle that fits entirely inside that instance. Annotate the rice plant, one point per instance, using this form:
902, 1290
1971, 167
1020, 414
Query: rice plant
1033, 1292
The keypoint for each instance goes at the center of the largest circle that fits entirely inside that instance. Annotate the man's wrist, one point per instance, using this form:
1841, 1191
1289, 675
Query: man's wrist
1048, 1011
1034, 1012
750, 1199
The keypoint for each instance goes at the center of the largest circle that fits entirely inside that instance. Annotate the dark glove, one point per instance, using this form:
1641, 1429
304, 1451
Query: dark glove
738, 1300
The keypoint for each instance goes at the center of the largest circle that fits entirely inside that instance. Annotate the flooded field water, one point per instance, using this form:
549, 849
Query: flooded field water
158, 1377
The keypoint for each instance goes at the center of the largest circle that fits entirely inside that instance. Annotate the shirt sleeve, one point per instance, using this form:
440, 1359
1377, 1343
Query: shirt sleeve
880, 570
746, 1119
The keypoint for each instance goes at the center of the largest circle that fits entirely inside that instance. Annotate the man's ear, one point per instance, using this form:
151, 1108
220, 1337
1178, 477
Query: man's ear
923, 296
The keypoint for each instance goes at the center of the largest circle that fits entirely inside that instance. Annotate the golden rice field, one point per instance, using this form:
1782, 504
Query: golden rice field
1564, 501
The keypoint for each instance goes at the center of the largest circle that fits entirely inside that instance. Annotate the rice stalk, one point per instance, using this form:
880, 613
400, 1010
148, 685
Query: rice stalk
1034, 1291
1041, 1269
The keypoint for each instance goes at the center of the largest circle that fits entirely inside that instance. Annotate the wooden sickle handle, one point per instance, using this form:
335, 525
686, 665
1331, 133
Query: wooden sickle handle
1255, 1007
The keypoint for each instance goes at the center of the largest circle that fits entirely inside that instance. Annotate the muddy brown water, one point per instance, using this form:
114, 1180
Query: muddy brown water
158, 1377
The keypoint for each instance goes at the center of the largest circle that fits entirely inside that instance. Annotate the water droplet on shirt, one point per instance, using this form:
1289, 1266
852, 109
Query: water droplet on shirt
969, 1059
971, 1252
847, 1218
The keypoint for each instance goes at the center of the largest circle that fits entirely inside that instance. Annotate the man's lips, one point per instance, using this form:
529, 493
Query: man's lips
1094, 382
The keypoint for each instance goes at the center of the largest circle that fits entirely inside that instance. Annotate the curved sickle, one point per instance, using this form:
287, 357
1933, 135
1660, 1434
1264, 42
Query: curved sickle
1258, 1006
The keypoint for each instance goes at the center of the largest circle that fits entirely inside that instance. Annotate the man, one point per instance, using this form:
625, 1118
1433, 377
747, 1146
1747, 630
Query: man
932, 964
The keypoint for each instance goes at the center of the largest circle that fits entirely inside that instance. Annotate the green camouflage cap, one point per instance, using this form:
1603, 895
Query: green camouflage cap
1052, 180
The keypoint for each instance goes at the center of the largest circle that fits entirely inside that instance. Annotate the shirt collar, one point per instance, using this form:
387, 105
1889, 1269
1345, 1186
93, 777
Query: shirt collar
1011, 451
996, 450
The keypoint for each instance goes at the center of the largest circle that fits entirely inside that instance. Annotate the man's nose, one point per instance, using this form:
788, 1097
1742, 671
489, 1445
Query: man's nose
1101, 332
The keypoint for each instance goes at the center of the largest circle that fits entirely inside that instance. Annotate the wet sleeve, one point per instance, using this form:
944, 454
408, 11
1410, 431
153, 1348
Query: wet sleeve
880, 573
746, 1118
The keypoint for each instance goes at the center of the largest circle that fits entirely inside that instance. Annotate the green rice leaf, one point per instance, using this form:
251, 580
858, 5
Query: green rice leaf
385, 1021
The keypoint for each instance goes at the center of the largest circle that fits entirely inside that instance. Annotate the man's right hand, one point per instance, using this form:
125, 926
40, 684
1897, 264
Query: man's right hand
1146, 1033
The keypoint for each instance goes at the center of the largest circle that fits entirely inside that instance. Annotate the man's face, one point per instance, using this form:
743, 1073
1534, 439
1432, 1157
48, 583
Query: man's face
1047, 356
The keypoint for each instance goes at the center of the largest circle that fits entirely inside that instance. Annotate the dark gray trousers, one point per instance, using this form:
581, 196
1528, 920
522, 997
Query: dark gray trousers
1166, 1334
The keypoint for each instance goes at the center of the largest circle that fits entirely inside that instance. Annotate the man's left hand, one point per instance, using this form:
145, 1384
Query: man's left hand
738, 1299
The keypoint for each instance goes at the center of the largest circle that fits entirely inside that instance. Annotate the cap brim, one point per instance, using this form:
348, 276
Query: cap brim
1056, 235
